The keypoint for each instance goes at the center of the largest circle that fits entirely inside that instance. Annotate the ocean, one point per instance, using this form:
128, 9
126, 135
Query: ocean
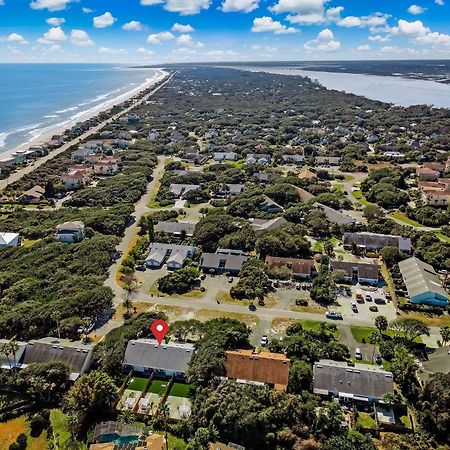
390, 89
39, 98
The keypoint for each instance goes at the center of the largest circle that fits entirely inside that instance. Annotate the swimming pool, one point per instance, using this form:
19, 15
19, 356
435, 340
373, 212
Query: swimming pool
117, 439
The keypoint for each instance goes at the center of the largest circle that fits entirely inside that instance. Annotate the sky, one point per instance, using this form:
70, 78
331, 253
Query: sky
163, 31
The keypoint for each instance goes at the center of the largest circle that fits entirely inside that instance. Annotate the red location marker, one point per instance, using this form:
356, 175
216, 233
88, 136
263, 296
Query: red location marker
159, 329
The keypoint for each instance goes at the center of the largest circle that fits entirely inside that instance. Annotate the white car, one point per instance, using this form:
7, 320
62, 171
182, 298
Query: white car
264, 341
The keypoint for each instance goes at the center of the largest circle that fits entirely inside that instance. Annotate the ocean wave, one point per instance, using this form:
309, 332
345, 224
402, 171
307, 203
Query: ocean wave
3, 137
51, 116
62, 111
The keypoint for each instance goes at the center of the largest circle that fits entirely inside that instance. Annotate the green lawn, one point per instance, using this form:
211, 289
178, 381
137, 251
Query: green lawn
442, 237
358, 195
365, 420
137, 384
360, 333
314, 325
158, 387
181, 390
404, 218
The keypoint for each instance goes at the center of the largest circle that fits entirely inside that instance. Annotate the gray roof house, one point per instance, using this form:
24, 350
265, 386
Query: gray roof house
422, 283
176, 229
145, 355
335, 216
171, 254
359, 272
293, 159
179, 190
362, 382
76, 355
261, 225
374, 242
222, 263
225, 156
328, 160
258, 158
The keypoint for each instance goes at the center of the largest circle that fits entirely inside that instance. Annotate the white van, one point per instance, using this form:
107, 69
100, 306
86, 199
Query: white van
358, 354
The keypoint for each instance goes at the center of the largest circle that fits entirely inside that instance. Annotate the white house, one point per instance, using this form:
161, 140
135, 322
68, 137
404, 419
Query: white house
225, 156
258, 158
172, 254
9, 240
71, 232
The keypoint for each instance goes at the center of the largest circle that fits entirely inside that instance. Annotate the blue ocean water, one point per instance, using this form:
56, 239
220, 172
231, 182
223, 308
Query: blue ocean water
35, 98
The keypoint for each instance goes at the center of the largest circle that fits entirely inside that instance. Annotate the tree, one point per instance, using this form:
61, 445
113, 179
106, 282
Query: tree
253, 281
410, 328
93, 392
375, 338
372, 212
324, 288
381, 323
300, 377
183, 328
391, 255
404, 368
445, 334
202, 438
352, 440
165, 413
127, 303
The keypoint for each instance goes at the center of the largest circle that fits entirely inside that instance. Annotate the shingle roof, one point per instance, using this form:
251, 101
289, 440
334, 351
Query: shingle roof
420, 277
264, 225
265, 367
213, 261
335, 216
377, 241
369, 271
362, 380
147, 353
176, 227
299, 266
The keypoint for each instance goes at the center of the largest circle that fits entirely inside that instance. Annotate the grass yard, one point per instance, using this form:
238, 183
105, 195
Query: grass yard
432, 320
59, 424
442, 237
361, 199
360, 333
404, 218
191, 294
365, 420
181, 390
10, 430
158, 387
137, 384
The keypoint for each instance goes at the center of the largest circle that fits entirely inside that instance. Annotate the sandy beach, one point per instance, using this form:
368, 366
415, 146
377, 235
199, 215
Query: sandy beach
46, 134
148, 84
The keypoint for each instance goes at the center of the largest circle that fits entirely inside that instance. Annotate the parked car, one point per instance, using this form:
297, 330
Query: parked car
368, 298
264, 341
380, 301
230, 279
141, 268
358, 354
252, 307
333, 315
378, 359
373, 308
298, 286
354, 307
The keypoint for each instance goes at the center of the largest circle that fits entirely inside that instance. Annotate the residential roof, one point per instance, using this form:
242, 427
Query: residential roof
36, 191
362, 380
265, 367
420, 277
260, 225
75, 354
377, 241
271, 203
176, 227
7, 238
75, 225
178, 189
368, 271
303, 194
147, 353
335, 216
328, 159
223, 261
298, 266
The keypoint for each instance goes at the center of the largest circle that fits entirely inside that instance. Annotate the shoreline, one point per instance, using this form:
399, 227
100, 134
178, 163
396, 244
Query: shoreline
166, 76
397, 91
46, 133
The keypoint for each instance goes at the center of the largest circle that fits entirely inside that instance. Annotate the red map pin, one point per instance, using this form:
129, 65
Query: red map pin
159, 329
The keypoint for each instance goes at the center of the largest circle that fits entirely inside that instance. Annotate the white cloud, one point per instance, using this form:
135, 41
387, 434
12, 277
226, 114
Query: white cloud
112, 51
104, 21
256, 47
180, 28
363, 48
325, 42
2, 2
183, 7
80, 38
413, 29
184, 39
157, 38
416, 10
434, 39
14, 37
349, 22
144, 51
55, 34
134, 25
51, 5
299, 6
14, 49
267, 24
439, 2
307, 19
239, 5
379, 38
87, 10
55, 21
221, 53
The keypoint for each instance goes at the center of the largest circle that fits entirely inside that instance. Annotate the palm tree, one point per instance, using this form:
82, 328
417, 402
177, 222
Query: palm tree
375, 338
14, 348
445, 334
127, 304
126, 417
164, 410
381, 323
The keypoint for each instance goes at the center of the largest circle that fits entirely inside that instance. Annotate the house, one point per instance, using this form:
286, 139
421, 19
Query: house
334, 216
433, 197
372, 242
258, 158
359, 272
32, 196
435, 166
428, 173
225, 156
81, 153
229, 189
328, 161
71, 232
9, 161
8, 360
248, 366
172, 254
106, 167
74, 179
179, 190
293, 159
307, 174
261, 225
393, 154
9, 240
223, 263
271, 206
422, 283
266, 177
361, 383
303, 194
211, 134
300, 268
20, 157
146, 356
176, 229
76, 355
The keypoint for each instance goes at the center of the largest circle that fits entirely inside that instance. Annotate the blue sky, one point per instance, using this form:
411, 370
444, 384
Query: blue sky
159, 31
